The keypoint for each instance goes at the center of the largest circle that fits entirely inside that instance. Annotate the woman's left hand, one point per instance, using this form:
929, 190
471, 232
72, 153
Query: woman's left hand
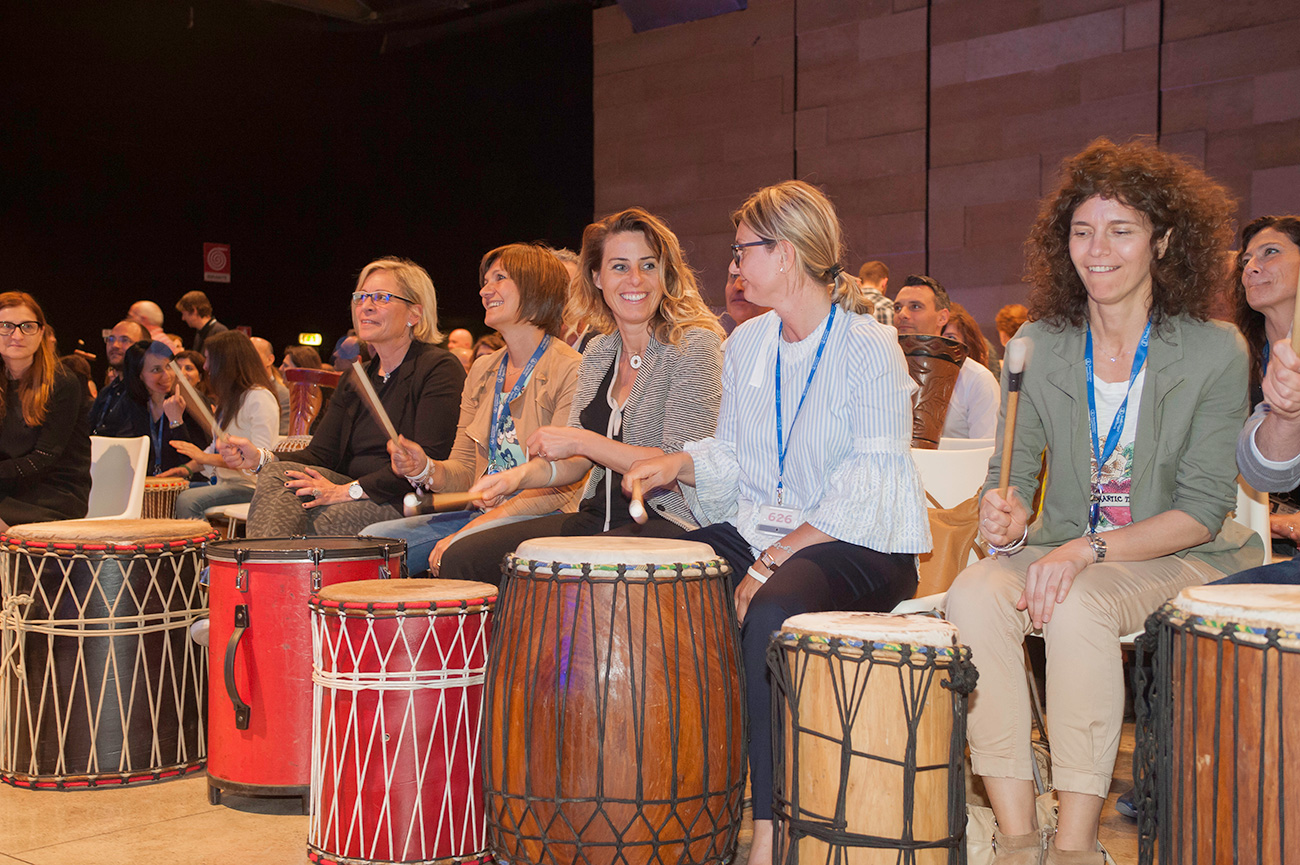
187, 448
174, 408
312, 486
1048, 580
745, 593
435, 556
555, 442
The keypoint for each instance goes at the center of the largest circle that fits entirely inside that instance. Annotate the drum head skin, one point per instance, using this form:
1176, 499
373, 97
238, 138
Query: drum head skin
606, 550
115, 532
302, 549
1259, 606
365, 592
166, 484
874, 628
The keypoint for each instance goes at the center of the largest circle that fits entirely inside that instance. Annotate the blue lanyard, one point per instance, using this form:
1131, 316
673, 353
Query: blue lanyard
157, 436
781, 444
1116, 426
520, 384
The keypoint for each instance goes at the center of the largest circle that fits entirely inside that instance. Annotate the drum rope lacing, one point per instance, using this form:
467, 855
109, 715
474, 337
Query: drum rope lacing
915, 679
1154, 769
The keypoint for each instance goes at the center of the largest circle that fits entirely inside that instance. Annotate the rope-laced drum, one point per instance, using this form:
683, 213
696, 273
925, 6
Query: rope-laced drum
615, 715
398, 669
869, 739
260, 663
160, 495
1218, 737
99, 681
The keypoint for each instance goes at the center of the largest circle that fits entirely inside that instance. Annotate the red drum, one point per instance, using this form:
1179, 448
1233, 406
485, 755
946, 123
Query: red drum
398, 706
160, 495
99, 683
260, 637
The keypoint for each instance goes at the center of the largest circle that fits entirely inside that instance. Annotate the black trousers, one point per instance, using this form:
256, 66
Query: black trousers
821, 577
479, 556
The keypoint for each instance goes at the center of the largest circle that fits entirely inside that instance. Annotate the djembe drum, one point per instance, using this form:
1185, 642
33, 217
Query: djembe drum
259, 720
869, 739
1217, 754
398, 703
160, 495
615, 719
99, 682
934, 362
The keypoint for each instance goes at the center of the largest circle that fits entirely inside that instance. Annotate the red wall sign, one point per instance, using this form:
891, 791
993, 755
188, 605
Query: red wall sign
216, 262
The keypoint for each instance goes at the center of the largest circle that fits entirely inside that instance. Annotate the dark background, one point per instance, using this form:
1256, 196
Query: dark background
133, 132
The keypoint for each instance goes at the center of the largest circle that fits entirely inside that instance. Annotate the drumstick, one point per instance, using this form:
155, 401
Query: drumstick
1015, 360
415, 504
372, 401
637, 507
198, 403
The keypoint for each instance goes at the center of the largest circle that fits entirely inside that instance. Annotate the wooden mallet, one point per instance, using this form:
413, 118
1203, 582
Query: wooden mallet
637, 506
1017, 350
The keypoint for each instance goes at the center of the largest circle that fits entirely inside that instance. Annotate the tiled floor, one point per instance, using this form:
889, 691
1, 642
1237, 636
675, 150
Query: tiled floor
173, 822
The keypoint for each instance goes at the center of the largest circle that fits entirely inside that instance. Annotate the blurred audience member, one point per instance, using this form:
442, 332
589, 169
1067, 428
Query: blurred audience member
963, 328
460, 338
1009, 319
464, 355
485, 345
149, 314
874, 277
80, 367
300, 356
738, 310
278, 385
196, 311
110, 415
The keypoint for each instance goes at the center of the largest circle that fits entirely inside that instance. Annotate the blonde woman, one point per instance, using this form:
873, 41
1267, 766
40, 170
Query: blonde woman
647, 385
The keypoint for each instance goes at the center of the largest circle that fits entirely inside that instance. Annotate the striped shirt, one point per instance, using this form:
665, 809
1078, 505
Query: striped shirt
848, 465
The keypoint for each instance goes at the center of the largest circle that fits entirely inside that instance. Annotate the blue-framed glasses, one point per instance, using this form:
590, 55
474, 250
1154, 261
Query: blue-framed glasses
382, 298
737, 249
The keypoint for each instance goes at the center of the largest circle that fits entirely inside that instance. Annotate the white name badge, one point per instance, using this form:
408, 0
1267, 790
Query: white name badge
775, 520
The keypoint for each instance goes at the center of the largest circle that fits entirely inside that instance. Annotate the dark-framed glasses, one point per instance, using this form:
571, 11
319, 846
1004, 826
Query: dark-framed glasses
382, 298
737, 249
27, 327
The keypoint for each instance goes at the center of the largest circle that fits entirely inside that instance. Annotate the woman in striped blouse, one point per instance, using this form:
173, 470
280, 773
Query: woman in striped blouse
647, 386
808, 487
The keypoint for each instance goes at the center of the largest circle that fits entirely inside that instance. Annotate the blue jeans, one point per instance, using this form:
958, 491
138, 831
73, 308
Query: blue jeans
191, 503
421, 534
1279, 574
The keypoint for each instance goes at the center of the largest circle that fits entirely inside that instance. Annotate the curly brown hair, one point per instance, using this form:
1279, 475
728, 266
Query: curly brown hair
1184, 206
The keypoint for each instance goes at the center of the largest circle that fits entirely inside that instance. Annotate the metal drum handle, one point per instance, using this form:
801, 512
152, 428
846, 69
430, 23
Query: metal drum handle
242, 709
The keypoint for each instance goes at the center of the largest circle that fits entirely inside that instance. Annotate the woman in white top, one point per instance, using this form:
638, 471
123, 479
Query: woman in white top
808, 488
246, 407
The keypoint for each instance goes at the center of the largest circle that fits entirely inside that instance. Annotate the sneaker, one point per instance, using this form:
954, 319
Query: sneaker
1126, 805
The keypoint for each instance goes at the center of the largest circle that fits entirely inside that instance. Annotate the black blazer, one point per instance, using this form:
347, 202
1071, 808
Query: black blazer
422, 398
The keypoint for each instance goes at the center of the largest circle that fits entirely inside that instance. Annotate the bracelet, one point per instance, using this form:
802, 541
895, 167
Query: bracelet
1010, 549
781, 546
174, 424
418, 480
756, 575
264, 456
189, 472
551, 480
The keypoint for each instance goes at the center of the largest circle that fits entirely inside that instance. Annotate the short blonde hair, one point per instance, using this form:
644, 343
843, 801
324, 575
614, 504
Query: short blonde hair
416, 285
681, 307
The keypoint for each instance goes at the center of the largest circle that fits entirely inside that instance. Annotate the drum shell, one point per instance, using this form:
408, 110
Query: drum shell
431, 807
272, 668
828, 700
96, 703
1234, 741
160, 495
609, 699
934, 363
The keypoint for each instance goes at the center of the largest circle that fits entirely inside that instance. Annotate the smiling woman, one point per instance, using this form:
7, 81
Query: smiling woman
341, 482
44, 427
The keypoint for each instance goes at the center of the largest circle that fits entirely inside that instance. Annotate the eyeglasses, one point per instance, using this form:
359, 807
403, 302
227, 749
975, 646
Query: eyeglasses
738, 248
27, 327
125, 340
383, 298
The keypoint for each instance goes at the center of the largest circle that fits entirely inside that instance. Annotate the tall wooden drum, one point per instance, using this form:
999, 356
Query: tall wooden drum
615, 713
398, 668
870, 738
100, 684
1217, 756
160, 495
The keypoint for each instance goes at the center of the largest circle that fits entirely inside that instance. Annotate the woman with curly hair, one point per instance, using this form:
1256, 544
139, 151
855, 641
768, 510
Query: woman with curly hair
648, 385
1137, 400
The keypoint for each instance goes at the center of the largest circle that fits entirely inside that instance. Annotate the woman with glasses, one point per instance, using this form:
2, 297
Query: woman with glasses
342, 482
808, 487
44, 428
647, 385
155, 407
510, 393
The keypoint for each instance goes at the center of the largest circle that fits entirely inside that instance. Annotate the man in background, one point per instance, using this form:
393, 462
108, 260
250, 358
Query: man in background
196, 311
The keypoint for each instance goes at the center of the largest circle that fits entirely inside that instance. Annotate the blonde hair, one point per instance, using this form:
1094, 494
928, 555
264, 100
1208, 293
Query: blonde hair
415, 284
804, 217
681, 307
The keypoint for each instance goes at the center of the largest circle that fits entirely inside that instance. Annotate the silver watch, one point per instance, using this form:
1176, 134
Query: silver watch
355, 492
1098, 544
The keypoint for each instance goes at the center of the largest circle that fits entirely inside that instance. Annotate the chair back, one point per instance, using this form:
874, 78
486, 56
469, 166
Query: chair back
1253, 513
952, 476
307, 395
952, 480
117, 471
948, 443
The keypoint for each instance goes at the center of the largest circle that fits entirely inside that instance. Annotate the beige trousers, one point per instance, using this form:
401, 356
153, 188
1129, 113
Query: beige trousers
1085, 679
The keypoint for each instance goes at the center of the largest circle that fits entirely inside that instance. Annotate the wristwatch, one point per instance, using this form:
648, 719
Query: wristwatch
355, 492
1098, 544
768, 562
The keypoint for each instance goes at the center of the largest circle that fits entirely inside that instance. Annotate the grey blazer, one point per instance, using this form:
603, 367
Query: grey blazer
675, 399
1192, 407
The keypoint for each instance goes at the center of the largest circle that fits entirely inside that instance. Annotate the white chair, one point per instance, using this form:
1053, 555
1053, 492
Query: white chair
1253, 513
232, 514
117, 470
952, 476
953, 444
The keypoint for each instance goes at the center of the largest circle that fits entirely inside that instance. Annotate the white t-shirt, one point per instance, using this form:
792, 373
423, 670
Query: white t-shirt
1117, 474
973, 409
257, 420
